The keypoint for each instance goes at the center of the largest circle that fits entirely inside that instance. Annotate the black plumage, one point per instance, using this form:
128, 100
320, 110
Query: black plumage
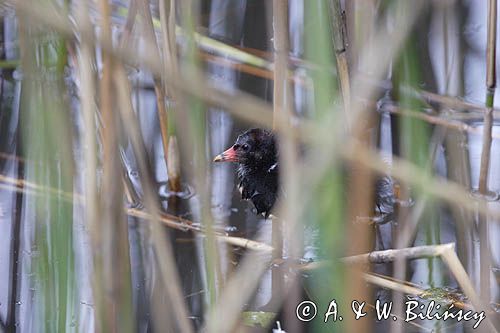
256, 153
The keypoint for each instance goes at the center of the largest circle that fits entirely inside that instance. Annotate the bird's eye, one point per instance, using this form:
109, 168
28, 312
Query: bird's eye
245, 146
236, 146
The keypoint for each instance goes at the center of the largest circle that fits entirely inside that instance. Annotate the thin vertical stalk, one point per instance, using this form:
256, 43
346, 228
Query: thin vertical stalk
174, 178
170, 151
195, 134
167, 23
490, 86
340, 46
325, 203
359, 205
87, 98
163, 249
129, 24
491, 49
10, 320
280, 92
451, 260
114, 304
414, 146
484, 247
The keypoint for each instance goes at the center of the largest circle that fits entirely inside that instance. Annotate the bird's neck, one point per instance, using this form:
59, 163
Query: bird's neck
255, 168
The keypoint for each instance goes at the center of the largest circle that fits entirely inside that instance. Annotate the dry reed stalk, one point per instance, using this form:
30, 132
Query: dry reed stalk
163, 250
232, 299
450, 258
168, 220
450, 102
436, 120
110, 237
386, 256
340, 44
240, 104
375, 59
159, 89
392, 285
257, 112
87, 98
324, 163
246, 243
88, 103
280, 95
167, 24
434, 190
184, 225
174, 164
129, 24
360, 191
170, 64
484, 248
288, 227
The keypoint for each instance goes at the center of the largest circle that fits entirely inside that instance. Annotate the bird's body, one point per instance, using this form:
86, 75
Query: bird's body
259, 186
256, 153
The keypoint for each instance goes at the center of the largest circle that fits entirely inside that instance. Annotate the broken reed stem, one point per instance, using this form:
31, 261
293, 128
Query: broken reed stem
450, 258
178, 223
386, 256
390, 283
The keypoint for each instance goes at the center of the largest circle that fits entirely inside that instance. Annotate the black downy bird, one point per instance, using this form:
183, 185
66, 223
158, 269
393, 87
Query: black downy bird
256, 153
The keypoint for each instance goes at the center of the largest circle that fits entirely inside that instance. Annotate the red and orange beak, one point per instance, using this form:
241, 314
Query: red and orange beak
228, 156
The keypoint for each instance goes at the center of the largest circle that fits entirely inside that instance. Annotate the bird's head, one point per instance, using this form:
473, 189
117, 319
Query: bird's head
255, 147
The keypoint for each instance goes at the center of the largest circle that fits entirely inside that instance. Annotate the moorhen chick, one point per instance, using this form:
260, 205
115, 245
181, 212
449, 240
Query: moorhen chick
256, 153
